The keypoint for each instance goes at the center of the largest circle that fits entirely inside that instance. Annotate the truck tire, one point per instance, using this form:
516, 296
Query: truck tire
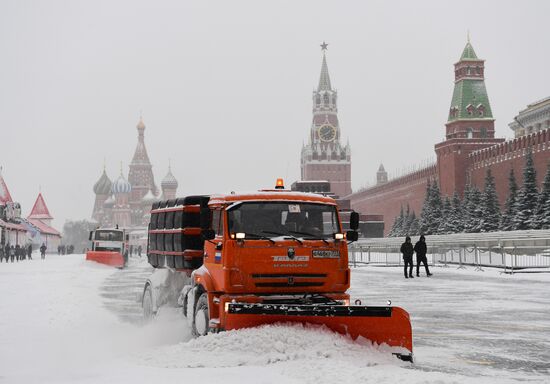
147, 304
196, 200
153, 260
178, 262
201, 319
170, 261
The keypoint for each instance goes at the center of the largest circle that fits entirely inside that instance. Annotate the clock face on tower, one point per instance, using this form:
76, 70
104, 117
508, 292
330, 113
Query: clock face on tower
327, 132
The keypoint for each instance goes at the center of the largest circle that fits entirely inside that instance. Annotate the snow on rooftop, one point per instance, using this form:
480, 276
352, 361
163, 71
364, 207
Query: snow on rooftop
5, 196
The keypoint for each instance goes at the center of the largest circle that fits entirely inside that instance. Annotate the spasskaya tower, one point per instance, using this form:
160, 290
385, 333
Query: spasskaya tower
324, 157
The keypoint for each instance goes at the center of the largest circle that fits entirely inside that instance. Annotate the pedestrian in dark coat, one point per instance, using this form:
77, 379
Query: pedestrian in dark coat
17, 252
43, 251
139, 250
408, 251
29, 251
12, 253
421, 250
1, 252
7, 252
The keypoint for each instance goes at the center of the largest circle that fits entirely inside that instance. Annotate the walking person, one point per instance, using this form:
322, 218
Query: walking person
407, 251
421, 250
7, 252
43, 251
17, 252
139, 250
12, 253
1, 252
29, 251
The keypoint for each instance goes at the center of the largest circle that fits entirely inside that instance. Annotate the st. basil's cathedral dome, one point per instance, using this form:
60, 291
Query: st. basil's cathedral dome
103, 185
121, 185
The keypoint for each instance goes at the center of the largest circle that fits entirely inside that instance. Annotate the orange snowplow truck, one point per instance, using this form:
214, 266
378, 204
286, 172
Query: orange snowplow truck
109, 246
272, 256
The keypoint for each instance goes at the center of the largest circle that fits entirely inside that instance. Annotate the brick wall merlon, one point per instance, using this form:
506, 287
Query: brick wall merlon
536, 141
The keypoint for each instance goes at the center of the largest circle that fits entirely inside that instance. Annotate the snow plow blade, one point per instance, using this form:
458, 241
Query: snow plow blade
389, 325
114, 259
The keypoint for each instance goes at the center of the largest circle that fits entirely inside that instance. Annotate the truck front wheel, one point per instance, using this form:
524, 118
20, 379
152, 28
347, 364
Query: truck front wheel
147, 304
201, 319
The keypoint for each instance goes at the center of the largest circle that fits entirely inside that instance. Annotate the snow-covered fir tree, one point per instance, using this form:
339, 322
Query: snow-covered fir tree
478, 209
456, 218
437, 207
397, 225
542, 216
430, 217
507, 221
426, 214
528, 197
490, 208
406, 222
414, 227
446, 211
472, 209
466, 208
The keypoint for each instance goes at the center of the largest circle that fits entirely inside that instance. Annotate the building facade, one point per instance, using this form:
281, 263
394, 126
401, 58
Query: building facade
39, 224
534, 118
126, 202
36, 229
325, 158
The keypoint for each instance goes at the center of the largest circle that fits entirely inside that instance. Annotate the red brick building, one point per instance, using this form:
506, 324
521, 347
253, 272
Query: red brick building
469, 149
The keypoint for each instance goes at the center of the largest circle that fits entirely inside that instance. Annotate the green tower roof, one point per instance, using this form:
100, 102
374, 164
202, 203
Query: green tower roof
468, 53
470, 100
470, 92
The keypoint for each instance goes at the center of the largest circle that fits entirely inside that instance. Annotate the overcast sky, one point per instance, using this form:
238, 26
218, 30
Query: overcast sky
225, 86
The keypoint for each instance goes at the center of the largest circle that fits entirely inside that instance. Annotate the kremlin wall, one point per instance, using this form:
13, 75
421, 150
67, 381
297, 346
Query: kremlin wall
470, 149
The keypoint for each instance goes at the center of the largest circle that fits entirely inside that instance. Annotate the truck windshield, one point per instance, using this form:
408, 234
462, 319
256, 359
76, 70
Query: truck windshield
108, 235
271, 219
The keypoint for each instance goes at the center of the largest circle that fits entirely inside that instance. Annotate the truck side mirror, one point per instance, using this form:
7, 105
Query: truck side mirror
208, 234
354, 221
91, 235
352, 235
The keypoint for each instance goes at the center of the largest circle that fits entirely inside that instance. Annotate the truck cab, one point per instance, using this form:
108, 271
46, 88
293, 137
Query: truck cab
266, 247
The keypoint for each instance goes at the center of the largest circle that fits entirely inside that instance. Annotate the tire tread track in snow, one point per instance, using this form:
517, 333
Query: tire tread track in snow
120, 291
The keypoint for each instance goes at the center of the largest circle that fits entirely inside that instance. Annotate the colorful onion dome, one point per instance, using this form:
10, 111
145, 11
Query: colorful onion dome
149, 198
121, 185
103, 185
169, 181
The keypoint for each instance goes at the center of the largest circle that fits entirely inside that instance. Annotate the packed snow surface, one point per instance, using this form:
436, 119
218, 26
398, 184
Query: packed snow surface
66, 320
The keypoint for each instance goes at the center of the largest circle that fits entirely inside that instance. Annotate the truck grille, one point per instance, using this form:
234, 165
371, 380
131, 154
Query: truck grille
289, 284
287, 275
287, 280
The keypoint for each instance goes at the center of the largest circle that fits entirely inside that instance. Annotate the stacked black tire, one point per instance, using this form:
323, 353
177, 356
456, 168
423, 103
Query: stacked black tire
174, 238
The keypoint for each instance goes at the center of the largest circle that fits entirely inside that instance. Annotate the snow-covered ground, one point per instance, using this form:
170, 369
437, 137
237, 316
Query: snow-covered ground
65, 320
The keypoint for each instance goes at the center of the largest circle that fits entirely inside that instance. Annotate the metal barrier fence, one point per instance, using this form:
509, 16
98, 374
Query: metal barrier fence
511, 251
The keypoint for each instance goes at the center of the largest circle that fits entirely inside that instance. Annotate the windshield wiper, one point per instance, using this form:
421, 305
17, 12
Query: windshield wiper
260, 237
314, 237
286, 235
